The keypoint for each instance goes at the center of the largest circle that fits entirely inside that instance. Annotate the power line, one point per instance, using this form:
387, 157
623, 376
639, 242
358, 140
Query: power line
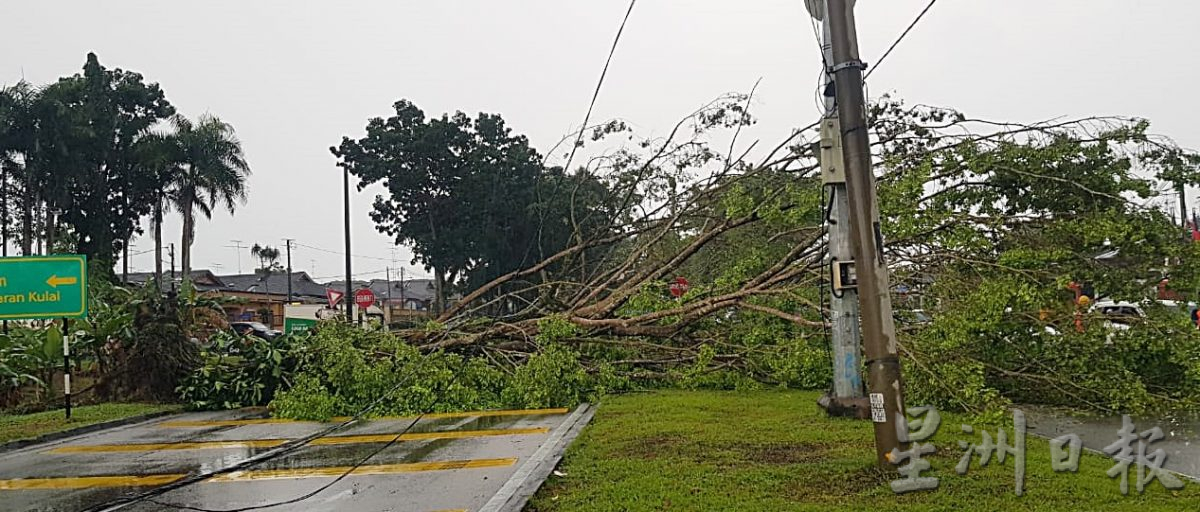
901, 38
340, 253
596, 94
583, 128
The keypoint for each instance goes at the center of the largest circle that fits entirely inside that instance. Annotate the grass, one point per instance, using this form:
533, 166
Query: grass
777, 451
26, 426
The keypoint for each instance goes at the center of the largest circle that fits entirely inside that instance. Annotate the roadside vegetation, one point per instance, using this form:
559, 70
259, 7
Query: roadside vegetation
560, 263
778, 451
15, 427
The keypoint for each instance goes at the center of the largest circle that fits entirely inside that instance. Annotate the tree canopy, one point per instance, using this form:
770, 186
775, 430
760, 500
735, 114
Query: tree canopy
472, 199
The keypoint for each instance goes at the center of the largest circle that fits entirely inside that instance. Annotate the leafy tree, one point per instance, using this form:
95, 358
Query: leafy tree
87, 127
464, 193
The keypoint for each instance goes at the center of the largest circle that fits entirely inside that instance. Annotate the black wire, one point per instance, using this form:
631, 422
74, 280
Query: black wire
586, 118
284, 449
901, 38
596, 94
315, 492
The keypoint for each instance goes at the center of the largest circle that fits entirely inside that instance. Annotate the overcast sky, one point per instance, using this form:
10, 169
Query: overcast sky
294, 76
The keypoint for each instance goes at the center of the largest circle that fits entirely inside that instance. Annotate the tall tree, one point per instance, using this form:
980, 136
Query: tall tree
212, 172
461, 192
160, 156
84, 151
18, 140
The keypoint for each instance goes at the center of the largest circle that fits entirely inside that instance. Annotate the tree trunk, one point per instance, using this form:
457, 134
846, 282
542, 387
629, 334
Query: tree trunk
158, 218
439, 287
189, 231
49, 230
27, 221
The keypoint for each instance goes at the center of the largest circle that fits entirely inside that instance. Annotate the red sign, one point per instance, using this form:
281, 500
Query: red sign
334, 296
364, 298
679, 287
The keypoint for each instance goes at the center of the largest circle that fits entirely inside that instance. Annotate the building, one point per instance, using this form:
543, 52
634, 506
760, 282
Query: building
262, 295
409, 301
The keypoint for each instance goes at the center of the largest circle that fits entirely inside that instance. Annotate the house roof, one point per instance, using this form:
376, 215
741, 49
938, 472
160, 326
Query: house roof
418, 289
274, 283
203, 280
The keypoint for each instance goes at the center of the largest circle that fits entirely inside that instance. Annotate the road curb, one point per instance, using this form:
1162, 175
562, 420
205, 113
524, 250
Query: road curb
87, 429
515, 493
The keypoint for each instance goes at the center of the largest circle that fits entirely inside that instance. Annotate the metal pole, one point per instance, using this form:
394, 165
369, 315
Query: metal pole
4, 218
843, 304
878, 326
289, 267
1183, 217
66, 366
349, 279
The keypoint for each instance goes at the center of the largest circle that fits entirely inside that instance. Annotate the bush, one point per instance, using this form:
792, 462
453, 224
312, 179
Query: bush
241, 371
345, 370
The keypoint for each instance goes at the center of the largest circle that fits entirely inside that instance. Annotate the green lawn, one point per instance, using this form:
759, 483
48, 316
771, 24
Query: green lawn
773, 451
26, 426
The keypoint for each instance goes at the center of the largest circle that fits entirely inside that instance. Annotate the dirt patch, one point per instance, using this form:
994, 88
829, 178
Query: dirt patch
724, 454
839, 486
653, 447
781, 453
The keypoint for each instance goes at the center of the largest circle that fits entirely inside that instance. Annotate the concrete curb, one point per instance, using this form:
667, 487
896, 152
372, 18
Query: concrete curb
87, 429
515, 493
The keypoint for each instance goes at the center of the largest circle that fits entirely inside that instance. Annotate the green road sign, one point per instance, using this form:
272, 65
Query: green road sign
43, 287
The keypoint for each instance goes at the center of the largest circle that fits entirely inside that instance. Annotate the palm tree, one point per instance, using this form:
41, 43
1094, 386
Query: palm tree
212, 171
160, 154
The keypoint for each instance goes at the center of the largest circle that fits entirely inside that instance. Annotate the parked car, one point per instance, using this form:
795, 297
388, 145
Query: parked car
254, 328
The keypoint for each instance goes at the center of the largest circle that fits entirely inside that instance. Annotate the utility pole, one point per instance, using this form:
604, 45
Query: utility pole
403, 302
869, 268
349, 298
289, 267
171, 252
1183, 218
125, 265
847, 397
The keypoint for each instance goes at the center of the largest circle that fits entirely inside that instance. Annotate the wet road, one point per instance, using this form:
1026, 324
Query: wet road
1181, 437
443, 462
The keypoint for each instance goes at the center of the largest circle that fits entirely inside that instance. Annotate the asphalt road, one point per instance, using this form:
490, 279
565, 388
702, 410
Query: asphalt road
448, 462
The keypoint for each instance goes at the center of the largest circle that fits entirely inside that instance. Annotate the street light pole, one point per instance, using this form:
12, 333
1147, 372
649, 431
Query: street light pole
349, 297
875, 304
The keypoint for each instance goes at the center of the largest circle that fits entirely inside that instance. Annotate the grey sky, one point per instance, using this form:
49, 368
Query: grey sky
293, 76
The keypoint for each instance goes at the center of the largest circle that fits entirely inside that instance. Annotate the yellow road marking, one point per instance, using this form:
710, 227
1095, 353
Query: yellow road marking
321, 441
272, 421
84, 482
243, 476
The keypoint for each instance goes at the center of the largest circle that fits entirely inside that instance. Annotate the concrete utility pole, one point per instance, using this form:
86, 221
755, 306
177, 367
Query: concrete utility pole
349, 298
289, 241
878, 326
847, 397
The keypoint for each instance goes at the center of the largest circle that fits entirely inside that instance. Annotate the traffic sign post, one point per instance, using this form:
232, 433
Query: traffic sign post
46, 287
679, 287
43, 287
365, 298
334, 296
